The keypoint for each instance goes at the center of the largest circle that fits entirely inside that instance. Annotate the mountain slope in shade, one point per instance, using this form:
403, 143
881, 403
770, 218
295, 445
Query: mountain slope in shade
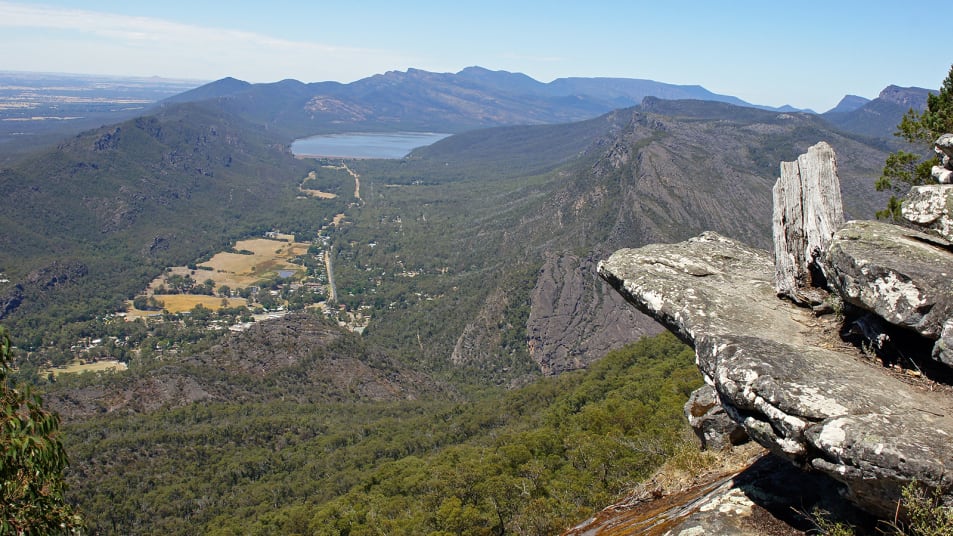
848, 104
219, 88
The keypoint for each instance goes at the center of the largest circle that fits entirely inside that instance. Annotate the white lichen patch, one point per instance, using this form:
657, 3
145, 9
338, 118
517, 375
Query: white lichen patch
692, 531
899, 296
734, 502
814, 400
791, 447
794, 426
653, 300
832, 436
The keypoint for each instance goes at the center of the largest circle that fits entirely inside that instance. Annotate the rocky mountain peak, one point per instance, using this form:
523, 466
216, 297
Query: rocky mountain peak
908, 97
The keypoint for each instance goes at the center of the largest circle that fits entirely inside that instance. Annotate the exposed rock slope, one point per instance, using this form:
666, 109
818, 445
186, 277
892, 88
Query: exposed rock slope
667, 171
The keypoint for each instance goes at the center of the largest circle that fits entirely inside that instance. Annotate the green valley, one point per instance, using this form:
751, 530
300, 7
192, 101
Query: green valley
469, 373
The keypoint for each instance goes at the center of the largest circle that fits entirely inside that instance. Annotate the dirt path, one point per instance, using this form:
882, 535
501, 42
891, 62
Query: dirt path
332, 289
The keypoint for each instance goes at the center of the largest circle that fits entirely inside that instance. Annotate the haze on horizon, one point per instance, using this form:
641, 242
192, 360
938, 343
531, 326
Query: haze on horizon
808, 56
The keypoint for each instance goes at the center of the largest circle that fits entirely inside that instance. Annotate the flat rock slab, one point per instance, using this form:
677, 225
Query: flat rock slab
796, 392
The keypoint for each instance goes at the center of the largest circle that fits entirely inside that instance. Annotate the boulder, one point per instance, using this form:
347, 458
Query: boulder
807, 211
943, 146
929, 209
778, 372
711, 424
903, 276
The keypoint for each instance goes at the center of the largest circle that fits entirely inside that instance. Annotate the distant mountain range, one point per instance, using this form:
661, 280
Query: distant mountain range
414, 100
449, 102
477, 98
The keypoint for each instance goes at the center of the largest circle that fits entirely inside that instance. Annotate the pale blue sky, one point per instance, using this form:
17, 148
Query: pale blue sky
806, 53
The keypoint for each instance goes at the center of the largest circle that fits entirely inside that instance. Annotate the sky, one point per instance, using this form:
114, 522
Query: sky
808, 54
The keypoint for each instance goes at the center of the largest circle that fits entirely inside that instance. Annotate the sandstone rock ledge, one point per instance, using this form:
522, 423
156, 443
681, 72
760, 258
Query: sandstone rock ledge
794, 390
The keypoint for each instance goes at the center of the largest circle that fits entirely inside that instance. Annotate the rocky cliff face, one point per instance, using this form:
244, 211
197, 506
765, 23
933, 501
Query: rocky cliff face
785, 374
575, 319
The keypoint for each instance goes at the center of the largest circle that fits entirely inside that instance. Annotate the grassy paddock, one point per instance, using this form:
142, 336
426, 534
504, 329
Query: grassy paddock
97, 366
234, 269
177, 303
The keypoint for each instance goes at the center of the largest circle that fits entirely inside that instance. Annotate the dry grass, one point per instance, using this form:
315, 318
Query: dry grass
315, 193
237, 270
97, 366
177, 303
690, 465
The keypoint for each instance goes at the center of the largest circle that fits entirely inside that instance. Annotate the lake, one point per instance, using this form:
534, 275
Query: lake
364, 144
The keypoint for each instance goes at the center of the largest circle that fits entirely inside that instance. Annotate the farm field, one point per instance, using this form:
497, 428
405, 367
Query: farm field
260, 259
241, 270
78, 366
179, 303
265, 257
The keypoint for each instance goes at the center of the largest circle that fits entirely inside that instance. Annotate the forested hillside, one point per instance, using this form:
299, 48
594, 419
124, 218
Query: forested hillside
529, 461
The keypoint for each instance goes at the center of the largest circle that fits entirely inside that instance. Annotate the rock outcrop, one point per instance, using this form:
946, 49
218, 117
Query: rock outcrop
783, 375
576, 318
903, 276
767, 496
714, 428
944, 151
930, 208
781, 371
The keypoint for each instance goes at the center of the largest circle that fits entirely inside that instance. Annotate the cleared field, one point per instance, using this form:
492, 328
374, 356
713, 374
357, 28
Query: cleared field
177, 303
315, 193
269, 257
98, 366
265, 258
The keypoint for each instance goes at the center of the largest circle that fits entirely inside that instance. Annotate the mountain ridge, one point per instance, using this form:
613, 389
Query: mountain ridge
474, 97
878, 117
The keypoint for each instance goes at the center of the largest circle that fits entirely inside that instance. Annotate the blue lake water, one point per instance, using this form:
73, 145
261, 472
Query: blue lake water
364, 144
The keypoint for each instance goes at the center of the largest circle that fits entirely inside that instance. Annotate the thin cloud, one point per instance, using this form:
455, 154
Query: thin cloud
135, 28
164, 44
